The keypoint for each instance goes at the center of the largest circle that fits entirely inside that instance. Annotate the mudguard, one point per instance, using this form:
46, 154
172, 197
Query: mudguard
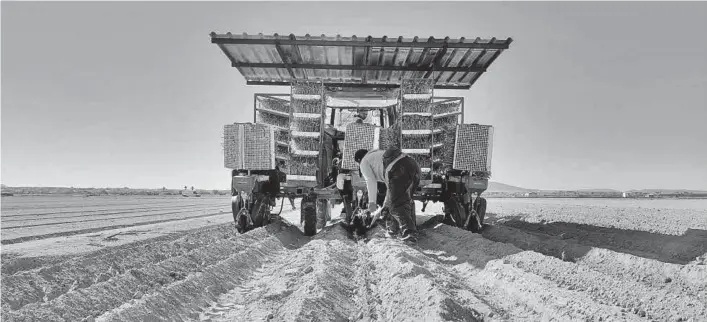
242, 183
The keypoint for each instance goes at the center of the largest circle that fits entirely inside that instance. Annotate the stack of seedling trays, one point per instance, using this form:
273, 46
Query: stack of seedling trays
446, 114
276, 112
389, 137
249, 146
416, 123
307, 112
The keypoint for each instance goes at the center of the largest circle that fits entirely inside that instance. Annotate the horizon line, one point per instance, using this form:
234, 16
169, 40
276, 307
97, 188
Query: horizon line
195, 188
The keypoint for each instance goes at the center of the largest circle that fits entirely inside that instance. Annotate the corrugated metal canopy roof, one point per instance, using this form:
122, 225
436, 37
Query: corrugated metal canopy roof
359, 62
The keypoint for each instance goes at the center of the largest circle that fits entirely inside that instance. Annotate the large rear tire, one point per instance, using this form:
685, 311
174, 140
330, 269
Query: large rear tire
475, 222
323, 213
242, 221
239, 218
236, 206
480, 208
308, 212
261, 212
454, 213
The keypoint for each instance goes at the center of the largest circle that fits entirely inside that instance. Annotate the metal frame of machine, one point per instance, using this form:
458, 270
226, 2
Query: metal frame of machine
348, 67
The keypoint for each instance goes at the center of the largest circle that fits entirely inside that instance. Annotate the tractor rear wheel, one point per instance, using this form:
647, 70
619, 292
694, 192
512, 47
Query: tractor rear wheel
240, 214
454, 213
475, 221
236, 206
261, 212
323, 213
480, 208
308, 212
242, 221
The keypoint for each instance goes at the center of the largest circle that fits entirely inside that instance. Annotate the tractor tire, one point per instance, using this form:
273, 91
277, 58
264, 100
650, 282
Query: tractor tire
480, 208
323, 213
454, 213
236, 206
242, 221
348, 210
260, 213
473, 223
308, 212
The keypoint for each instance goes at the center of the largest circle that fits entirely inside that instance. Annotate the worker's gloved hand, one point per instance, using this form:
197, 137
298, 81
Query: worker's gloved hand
372, 207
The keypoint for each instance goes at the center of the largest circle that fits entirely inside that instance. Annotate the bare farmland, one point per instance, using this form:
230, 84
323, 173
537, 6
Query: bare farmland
147, 258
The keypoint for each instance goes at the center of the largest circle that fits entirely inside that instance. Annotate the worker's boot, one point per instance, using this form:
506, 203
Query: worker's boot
409, 236
392, 228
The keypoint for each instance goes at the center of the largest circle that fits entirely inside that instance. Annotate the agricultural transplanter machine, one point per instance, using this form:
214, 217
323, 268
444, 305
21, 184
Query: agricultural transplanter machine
348, 94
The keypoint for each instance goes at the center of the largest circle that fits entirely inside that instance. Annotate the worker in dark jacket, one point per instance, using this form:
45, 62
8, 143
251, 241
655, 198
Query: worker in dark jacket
401, 174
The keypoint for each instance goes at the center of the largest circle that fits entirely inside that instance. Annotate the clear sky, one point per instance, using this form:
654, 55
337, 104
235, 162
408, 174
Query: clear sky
590, 95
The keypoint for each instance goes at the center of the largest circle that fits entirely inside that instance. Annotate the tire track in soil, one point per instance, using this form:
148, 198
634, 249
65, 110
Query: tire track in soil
134, 283
98, 229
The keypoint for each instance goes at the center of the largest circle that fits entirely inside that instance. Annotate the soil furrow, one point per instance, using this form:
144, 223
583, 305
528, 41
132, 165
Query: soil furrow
184, 300
414, 287
130, 251
49, 282
11, 205
52, 222
49, 219
313, 283
641, 300
115, 291
81, 212
621, 218
678, 249
686, 279
484, 266
97, 229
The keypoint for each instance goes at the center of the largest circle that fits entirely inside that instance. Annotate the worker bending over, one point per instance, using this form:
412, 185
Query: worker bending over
401, 174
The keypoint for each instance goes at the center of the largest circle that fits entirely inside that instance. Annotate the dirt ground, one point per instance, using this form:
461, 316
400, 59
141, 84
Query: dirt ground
533, 262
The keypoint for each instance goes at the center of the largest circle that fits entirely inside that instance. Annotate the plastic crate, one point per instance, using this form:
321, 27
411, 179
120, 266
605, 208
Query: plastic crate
359, 136
473, 145
249, 146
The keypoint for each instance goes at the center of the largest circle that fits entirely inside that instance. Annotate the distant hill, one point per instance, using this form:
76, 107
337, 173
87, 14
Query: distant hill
597, 190
502, 187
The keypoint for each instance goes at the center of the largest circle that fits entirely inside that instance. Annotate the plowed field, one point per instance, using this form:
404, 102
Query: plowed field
172, 259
